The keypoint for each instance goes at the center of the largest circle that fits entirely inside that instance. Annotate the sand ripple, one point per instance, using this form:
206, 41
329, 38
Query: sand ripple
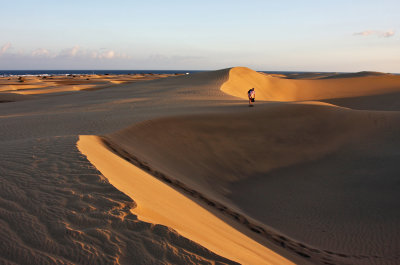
56, 208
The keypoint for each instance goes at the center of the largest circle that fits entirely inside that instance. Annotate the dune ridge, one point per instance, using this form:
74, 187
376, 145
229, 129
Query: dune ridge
272, 88
158, 203
218, 158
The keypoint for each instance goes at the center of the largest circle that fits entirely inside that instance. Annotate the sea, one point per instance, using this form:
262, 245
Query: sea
5, 73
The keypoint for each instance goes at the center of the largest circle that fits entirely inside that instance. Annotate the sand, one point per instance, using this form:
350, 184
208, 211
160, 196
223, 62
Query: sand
182, 171
159, 203
271, 88
38, 85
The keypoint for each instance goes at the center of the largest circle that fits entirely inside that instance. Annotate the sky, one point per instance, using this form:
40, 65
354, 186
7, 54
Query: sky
307, 35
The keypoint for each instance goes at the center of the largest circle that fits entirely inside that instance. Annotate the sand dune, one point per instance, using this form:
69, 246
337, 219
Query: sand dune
232, 145
158, 203
280, 89
223, 158
248, 161
327, 75
36, 85
314, 181
359, 74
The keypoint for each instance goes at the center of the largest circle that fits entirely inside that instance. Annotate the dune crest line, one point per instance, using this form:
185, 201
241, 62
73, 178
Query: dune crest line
365, 90
159, 203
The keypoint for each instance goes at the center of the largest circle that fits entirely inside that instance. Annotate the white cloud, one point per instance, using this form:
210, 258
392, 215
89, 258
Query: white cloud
70, 52
94, 55
5, 47
365, 33
74, 50
78, 52
73, 55
379, 33
108, 55
41, 52
388, 34
160, 58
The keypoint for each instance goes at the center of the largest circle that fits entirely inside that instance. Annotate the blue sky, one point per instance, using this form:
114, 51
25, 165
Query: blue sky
201, 35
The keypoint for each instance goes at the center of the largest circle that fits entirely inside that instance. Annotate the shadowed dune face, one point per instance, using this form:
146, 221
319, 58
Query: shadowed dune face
272, 88
386, 101
236, 146
328, 75
359, 74
288, 166
11, 97
199, 86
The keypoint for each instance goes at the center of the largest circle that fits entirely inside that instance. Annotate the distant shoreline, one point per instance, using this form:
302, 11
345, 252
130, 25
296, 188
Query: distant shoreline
7, 73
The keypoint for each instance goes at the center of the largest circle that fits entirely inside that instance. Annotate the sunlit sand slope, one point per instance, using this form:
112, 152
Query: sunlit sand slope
159, 203
349, 87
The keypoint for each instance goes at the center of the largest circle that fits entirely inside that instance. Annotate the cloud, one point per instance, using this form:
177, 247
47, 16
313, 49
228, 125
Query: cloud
5, 47
78, 53
70, 52
41, 52
109, 54
74, 50
379, 33
160, 58
365, 33
76, 57
73, 57
388, 34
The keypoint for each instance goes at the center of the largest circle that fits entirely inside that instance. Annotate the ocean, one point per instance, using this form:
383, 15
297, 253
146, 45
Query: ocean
88, 72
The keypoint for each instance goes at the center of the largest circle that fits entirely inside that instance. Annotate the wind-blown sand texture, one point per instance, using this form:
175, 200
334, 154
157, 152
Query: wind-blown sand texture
310, 172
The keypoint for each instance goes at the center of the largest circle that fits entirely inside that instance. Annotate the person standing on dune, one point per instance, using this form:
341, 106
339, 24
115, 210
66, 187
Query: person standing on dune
252, 96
